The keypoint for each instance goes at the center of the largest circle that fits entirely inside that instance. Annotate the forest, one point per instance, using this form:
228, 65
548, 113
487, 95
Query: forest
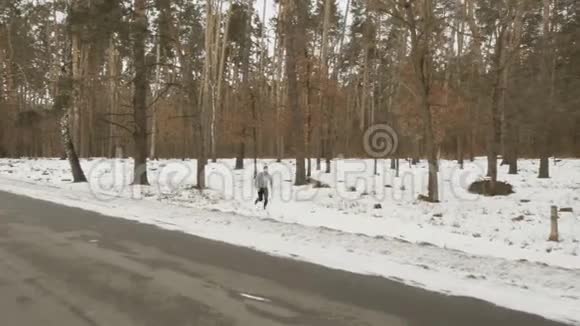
305, 79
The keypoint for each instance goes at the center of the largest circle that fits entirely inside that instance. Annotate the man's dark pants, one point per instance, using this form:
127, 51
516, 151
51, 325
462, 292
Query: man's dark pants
262, 195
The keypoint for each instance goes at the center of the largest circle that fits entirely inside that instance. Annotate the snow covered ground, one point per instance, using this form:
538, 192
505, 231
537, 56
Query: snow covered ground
490, 248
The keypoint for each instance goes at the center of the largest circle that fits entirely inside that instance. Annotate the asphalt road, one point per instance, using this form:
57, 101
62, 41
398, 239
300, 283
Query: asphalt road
65, 266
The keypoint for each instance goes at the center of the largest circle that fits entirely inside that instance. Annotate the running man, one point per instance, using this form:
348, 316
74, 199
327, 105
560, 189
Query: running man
262, 180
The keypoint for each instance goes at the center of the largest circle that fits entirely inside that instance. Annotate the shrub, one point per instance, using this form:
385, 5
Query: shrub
317, 183
483, 187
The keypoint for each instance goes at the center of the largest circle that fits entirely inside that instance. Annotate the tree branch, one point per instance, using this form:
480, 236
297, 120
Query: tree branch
118, 125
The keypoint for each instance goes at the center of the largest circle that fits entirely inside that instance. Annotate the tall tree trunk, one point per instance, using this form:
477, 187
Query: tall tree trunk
477, 69
494, 131
241, 151
246, 56
205, 98
65, 100
85, 84
153, 144
513, 163
547, 79
3, 123
493, 136
140, 84
369, 41
324, 134
278, 93
309, 128
220, 78
459, 35
416, 151
331, 135
295, 29
422, 63
11, 93
77, 85
460, 156
503, 52
69, 148
254, 131
471, 146
510, 132
215, 72
308, 137
113, 75
240, 156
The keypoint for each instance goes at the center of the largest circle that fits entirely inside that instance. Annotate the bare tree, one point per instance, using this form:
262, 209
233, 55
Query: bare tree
140, 84
113, 72
547, 79
279, 87
294, 18
421, 21
324, 49
64, 101
504, 44
220, 80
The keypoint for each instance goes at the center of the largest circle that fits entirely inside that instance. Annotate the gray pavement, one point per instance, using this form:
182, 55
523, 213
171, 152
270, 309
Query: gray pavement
65, 266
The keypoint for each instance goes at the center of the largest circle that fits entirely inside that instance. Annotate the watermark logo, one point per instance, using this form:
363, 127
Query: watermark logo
350, 180
380, 141
108, 179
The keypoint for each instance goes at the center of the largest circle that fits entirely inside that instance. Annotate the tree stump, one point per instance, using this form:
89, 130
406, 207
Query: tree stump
554, 225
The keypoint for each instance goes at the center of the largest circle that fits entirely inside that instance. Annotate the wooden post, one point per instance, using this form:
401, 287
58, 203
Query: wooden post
554, 224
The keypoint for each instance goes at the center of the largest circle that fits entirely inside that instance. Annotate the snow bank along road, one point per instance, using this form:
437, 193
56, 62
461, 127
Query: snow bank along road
66, 266
494, 249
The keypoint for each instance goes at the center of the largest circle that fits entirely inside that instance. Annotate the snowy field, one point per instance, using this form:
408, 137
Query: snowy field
495, 248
